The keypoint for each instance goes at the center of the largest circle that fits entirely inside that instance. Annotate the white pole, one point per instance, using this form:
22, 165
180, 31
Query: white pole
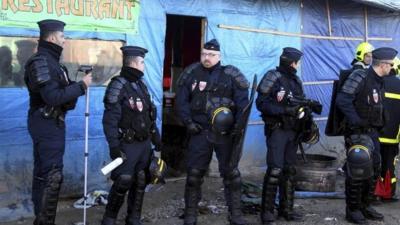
86, 154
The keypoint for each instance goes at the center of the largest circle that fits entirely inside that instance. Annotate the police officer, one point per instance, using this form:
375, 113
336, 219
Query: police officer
389, 136
360, 99
363, 56
129, 126
281, 130
210, 99
52, 94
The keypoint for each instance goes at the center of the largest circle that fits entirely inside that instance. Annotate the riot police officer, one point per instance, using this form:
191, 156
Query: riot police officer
389, 135
282, 131
360, 99
130, 128
52, 94
210, 99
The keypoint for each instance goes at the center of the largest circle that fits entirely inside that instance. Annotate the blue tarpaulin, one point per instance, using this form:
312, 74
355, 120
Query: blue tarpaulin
251, 51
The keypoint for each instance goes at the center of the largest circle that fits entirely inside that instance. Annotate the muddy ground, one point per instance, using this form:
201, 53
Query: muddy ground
164, 205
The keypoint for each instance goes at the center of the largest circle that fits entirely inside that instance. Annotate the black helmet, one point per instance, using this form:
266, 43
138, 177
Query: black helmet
311, 134
158, 169
359, 158
222, 121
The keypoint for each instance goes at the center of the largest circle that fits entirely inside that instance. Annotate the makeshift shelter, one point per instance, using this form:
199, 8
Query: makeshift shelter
252, 34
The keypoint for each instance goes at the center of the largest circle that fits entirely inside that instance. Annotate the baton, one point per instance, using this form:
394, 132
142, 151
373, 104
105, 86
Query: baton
112, 165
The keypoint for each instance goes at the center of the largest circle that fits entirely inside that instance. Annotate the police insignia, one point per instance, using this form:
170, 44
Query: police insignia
139, 104
375, 96
194, 85
132, 103
280, 94
202, 85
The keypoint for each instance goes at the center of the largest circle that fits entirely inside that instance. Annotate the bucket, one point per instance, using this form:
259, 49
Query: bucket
318, 174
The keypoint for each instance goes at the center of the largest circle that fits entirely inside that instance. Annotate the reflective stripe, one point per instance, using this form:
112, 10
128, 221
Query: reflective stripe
394, 180
389, 140
362, 147
392, 95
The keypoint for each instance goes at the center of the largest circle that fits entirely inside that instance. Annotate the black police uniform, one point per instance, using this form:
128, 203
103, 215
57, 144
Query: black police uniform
361, 101
200, 91
282, 133
129, 126
389, 136
52, 94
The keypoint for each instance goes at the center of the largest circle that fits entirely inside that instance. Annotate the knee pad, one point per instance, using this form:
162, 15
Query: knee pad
123, 183
195, 177
274, 175
54, 179
232, 177
141, 179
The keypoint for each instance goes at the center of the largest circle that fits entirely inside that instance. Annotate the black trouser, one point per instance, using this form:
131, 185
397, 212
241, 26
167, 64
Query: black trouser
129, 176
199, 156
48, 136
281, 158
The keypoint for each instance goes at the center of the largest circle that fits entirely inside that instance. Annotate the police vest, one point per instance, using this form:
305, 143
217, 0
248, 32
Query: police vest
136, 108
288, 86
210, 92
369, 101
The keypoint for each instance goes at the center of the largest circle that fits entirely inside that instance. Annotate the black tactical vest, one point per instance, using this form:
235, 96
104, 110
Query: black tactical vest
209, 92
136, 109
369, 101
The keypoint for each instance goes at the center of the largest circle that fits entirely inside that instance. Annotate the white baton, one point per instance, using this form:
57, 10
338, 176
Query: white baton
112, 165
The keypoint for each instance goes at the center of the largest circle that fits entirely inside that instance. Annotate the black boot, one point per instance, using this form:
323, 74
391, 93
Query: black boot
270, 185
192, 195
135, 199
353, 192
48, 209
116, 199
286, 195
232, 183
368, 197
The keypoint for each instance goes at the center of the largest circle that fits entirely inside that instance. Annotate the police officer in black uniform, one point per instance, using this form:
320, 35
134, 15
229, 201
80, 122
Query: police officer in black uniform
210, 99
282, 131
129, 123
361, 101
52, 94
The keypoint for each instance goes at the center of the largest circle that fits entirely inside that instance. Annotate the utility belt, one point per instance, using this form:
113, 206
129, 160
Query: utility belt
51, 112
273, 123
129, 135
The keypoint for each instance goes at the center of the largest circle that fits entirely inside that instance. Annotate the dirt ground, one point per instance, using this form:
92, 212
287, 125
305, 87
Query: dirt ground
163, 206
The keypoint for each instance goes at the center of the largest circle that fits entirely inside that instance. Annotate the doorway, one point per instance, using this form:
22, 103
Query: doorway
183, 42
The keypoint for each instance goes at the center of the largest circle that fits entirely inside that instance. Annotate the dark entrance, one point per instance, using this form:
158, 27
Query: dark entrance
183, 41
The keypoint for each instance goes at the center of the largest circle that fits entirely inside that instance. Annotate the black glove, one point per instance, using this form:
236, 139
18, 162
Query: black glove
292, 110
116, 152
194, 128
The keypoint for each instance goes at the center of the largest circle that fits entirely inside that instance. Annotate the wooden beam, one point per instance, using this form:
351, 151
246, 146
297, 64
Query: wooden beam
291, 34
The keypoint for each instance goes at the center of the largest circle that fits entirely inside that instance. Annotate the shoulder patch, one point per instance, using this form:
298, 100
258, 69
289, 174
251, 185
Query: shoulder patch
353, 81
185, 75
238, 76
268, 81
113, 90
